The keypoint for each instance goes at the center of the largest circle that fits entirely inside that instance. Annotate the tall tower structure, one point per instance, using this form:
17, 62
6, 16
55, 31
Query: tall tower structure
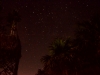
10, 52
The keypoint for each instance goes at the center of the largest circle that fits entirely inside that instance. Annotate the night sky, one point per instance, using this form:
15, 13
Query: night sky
43, 21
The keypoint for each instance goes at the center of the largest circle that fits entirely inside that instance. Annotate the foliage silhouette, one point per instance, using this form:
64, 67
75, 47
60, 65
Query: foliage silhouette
59, 55
72, 56
10, 48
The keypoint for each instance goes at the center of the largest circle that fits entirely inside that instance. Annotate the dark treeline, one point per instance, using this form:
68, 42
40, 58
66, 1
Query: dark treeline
75, 56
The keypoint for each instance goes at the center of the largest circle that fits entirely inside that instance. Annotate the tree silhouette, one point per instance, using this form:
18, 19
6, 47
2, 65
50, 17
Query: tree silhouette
60, 59
40, 72
10, 50
87, 43
88, 39
72, 56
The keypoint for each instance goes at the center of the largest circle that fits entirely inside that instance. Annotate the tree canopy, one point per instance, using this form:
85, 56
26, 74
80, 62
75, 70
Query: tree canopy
71, 56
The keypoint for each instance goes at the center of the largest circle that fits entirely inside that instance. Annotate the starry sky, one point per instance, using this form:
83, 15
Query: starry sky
42, 22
